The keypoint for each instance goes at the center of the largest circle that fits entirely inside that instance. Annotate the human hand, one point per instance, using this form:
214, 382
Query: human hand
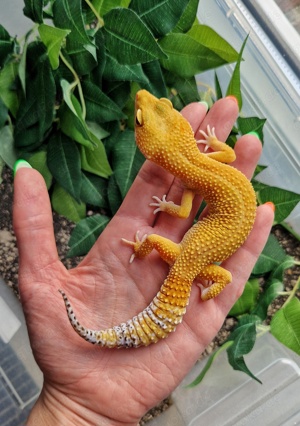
89, 385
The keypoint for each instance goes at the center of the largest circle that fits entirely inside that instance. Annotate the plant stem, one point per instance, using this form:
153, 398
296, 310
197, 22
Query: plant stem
75, 83
99, 19
292, 293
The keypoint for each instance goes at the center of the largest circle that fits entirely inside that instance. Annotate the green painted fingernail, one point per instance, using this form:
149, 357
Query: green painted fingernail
20, 164
254, 134
205, 104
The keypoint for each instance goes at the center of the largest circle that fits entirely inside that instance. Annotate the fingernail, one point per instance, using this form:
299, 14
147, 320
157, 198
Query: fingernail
20, 164
254, 134
233, 98
205, 104
270, 204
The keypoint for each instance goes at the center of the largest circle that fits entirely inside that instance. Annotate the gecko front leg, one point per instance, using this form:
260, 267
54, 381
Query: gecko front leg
222, 152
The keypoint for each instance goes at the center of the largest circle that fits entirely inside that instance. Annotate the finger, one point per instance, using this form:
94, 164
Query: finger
32, 220
248, 150
222, 117
242, 262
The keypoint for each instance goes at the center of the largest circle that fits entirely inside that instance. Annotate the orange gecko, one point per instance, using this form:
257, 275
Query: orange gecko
165, 137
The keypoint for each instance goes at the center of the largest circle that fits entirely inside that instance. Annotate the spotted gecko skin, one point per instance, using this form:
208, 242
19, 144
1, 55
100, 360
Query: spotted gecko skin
167, 139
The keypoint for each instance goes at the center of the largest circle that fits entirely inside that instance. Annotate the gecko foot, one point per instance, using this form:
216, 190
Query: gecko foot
208, 137
160, 203
135, 244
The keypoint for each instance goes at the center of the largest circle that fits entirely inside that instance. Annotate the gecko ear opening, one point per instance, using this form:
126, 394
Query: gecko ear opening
139, 117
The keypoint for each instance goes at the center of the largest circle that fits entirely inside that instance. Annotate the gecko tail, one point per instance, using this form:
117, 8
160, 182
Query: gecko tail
155, 322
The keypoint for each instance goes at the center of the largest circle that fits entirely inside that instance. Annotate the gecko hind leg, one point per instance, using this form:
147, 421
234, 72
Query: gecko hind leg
167, 249
217, 277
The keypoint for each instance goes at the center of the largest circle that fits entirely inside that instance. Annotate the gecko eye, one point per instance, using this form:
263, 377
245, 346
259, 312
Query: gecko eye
139, 117
166, 102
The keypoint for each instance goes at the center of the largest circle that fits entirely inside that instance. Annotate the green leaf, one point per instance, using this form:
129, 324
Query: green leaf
155, 83
126, 161
247, 300
53, 38
114, 71
161, 16
251, 124
86, 234
209, 363
285, 325
8, 152
63, 203
3, 114
22, 68
34, 10
258, 169
104, 6
187, 18
186, 56
219, 94
185, 90
6, 45
271, 256
8, 95
234, 87
100, 108
285, 201
63, 160
94, 190
243, 338
207, 37
114, 195
271, 291
95, 161
36, 111
38, 160
128, 39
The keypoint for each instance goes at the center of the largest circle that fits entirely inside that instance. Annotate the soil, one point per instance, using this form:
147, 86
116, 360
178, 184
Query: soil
63, 228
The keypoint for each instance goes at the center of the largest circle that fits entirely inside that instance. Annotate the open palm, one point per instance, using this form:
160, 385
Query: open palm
86, 384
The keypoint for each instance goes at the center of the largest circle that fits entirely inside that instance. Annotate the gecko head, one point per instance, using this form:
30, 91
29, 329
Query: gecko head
158, 127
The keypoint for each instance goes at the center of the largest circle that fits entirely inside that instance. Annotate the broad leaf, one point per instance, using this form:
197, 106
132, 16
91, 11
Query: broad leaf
117, 72
8, 95
3, 114
251, 124
86, 234
8, 152
187, 56
128, 39
63, 203
34, 10
243, 338
22, 68
207, 37
100, 108
271, 290
63, 160
271, 256
161, 16
247, 300
53, 38
234, 87
285, 201
126, 161
94, 190
187, 18
155, 83
285, 325
95, 161
6, 45
114, 195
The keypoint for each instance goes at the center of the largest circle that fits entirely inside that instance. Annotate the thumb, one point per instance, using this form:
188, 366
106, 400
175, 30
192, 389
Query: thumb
32, 220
